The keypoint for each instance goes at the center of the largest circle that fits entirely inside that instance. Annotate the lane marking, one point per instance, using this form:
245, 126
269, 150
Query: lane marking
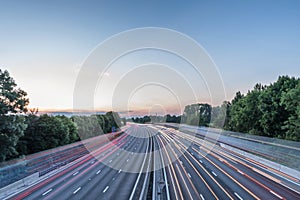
240, 172
105, 189
76, 190
47, 192
75, 173
119, 171
277, 195
214, 173
127, 160
238, 196
110, 161
200, 161
189, 175
98, 171
202, 197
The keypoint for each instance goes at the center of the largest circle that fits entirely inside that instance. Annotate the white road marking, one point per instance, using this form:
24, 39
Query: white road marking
238, 196
127, 160
202, 197
214, 173
189, 175
47, 192
105, 189
75, 173
119, 171
98, 171
200, 161
76, 190
110, 161
240, 172
277, 195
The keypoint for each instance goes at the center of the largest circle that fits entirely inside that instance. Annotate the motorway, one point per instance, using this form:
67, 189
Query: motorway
155, 162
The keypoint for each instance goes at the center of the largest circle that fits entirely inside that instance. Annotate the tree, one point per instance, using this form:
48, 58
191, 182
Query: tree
245, 113
220, 115
268, 110
197, 114
291, 101
13, 101
44, 132
274, 113
72, 128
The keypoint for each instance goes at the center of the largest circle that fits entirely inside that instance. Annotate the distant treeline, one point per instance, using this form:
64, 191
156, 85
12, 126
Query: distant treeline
46, 132
266, 110
157, 119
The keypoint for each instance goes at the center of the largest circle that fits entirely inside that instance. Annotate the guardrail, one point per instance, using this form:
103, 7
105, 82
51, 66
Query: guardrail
46, 161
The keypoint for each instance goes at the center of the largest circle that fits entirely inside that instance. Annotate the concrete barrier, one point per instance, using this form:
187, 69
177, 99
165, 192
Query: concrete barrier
30, 179
284, 169
18, 184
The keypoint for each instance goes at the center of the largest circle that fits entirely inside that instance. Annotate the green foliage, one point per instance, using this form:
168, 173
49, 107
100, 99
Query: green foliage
220, 115
172, 119
43, 132
13, 102
11, 129
12, 99
275, 114
142, 120
244, 112
71, 127
87, 126
46, 132
197, 114
271, 111
291, 101
157, 119
94, 125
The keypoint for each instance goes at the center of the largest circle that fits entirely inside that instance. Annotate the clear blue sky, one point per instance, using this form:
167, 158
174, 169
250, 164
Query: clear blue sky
43, 43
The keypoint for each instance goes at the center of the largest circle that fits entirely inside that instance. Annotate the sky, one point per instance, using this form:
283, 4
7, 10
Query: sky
43, 44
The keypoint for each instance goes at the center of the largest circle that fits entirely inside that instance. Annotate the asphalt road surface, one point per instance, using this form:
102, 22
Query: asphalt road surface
154, 162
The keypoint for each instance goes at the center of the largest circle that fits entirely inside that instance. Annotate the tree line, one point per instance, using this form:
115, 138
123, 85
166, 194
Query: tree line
266, 110
25, 132
272, 110
156, 119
